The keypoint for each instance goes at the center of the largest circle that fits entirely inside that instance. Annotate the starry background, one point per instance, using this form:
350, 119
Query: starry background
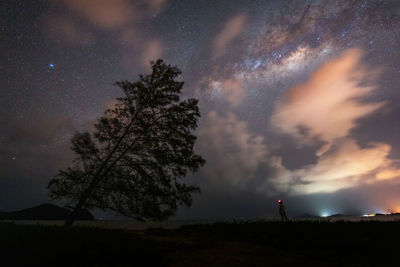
258, 68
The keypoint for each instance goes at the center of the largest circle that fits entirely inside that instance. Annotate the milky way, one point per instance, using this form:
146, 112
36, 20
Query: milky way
270, 126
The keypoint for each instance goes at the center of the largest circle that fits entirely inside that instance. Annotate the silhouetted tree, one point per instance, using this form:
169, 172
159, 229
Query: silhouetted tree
139, 151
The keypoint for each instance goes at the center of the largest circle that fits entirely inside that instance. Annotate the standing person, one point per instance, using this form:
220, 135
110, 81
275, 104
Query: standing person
282, 211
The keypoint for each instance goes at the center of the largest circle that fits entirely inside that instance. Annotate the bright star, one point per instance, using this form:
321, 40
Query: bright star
51, 66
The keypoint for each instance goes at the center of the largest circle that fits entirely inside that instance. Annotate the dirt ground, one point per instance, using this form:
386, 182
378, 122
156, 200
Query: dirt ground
256, 243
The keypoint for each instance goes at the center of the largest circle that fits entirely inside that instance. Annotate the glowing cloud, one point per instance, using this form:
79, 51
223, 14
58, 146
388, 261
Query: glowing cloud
343, 166
328, 105
326, 108
106, 14
388, 174
157, 5
230, 89
231, 30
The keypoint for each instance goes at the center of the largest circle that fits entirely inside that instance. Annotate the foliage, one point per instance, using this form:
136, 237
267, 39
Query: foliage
134, 161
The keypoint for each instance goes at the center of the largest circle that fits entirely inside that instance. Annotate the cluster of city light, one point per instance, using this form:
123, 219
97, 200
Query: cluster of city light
369, 215
327, 214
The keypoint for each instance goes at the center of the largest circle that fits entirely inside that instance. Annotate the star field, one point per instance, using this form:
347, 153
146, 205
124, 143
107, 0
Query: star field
244, 60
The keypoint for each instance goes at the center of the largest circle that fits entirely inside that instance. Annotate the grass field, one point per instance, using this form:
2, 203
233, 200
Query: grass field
308, 243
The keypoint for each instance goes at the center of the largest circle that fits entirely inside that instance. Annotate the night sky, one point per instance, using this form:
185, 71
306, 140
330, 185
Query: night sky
300, 100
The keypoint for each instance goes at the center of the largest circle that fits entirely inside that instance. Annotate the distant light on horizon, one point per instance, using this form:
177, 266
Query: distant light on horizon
324, 214
369, 215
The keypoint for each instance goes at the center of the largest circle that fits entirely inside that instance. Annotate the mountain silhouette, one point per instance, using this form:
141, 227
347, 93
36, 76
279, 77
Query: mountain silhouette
45, 211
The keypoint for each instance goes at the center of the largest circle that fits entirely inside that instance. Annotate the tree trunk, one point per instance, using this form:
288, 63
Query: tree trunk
99, 174
71, 218
82, 201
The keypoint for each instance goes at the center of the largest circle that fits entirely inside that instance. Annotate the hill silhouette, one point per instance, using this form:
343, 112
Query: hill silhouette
45, 211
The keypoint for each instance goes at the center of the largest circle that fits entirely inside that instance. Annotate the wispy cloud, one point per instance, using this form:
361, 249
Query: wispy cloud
232, 29
325, 109
330, 103
233, 153
230, 89
157, 5
65, 30
106, 14
344, 165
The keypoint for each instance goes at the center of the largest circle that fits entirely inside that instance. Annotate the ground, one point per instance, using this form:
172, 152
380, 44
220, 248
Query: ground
310, 243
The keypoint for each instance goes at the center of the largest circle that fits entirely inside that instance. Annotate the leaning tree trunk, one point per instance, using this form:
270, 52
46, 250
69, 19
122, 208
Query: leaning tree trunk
82, 201
100, 174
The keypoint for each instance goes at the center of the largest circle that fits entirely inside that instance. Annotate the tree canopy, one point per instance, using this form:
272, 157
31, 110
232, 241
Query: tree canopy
134, 161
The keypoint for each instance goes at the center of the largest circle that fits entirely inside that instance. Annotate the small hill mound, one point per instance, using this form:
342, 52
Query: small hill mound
45, 211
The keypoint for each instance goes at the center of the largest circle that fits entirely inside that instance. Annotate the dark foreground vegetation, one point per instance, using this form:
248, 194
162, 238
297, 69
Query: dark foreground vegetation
222, 244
